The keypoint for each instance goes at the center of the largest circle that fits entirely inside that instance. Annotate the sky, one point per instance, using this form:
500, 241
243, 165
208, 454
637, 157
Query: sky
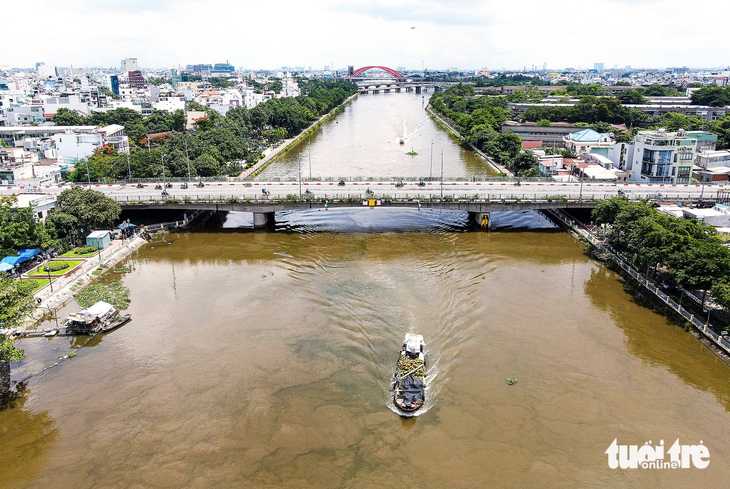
415, 34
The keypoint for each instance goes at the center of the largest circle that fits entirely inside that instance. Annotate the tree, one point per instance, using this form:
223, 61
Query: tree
713, 95
701, 265
524, 164
721, 294
16, 304
19, 228
631, 97
66, 117
544, 123
93, 209
721, 127
206, 166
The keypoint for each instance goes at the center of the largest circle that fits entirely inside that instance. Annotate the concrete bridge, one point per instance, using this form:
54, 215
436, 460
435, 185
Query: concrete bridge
478, 197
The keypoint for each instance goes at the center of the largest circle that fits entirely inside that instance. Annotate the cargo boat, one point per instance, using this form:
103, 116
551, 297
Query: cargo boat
409, 392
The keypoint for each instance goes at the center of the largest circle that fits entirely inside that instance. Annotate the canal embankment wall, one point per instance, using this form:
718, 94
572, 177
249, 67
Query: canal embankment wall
455, 133
285, 145
653, 291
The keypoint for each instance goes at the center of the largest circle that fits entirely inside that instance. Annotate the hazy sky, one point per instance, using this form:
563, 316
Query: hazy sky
467, 34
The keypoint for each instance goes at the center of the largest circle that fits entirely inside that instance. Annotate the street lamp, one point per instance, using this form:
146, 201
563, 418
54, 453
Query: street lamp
442, 174
48, 269
300, 175
163, 172
430, 171
129, 168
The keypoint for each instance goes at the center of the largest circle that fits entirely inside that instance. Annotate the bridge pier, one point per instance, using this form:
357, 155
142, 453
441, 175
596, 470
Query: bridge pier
418, 89
262, 220
480, 219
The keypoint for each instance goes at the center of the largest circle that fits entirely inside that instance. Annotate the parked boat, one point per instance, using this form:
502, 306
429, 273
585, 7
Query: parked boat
98, 318
409, 392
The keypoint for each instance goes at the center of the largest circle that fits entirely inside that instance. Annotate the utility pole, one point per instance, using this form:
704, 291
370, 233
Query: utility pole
580, 195
164, 189
310, 158
430, 171
300, 175
187, 158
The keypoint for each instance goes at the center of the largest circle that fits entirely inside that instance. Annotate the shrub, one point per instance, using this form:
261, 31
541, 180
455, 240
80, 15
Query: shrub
84, 250
55, 266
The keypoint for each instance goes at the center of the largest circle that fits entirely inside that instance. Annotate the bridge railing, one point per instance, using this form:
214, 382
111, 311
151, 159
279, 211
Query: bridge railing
432, 196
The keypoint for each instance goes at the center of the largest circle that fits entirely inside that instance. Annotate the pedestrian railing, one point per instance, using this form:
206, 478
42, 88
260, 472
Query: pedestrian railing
704, 327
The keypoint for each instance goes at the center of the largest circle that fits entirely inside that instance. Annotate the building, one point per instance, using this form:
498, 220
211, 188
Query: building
136, 80
551, 136
661, 157
114, 84
587, 141
129, 64
598, 67
706, 141
713, 159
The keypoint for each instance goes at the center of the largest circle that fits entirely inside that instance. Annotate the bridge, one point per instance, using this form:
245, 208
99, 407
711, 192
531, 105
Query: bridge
477, 197
393, 81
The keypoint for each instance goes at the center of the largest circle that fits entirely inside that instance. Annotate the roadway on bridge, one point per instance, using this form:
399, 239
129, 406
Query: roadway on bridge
432, 189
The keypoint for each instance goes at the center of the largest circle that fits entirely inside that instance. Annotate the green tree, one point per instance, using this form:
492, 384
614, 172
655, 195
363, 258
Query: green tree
544, 123
631, 97
16, 304
713, 95
66, 117
206, 166
721, 127
19, 228
93, 209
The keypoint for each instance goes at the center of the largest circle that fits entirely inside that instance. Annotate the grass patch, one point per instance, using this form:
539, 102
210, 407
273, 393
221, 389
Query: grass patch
81, 252
35, 284
41, 270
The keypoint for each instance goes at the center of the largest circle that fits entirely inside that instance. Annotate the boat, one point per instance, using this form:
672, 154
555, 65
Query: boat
99, 318
408, 381
402, 141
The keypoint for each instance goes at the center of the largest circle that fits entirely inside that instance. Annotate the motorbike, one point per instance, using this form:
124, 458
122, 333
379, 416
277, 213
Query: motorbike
399, 184
341, 183
168, 185
158, 187
620, 192
165, 194
139, 185
183, 185
308, 192
517, 183
265, 192
421, 183
200, 184
247, 184
369, 192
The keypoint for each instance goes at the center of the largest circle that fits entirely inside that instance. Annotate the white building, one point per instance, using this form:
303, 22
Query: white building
584, 141
661, 157
72, 102
713, 159
129, 64
169, 103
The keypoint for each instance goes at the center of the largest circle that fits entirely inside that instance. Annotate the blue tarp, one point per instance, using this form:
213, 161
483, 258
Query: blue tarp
14, 260
29, 253
121, 226
5, 267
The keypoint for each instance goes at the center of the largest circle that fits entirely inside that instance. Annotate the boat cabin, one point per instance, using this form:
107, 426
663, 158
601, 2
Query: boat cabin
92, 319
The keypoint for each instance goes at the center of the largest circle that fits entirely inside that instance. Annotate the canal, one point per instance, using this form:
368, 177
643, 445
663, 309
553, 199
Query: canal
263, 359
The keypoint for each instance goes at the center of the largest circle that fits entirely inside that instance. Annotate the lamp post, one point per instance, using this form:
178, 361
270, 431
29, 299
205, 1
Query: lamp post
442, 174
580, 192
129, 167
310, 158
48, 269
163, 173
300, 175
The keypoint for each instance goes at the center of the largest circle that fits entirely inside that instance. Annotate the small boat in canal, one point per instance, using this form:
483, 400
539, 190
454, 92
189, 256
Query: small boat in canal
99, 318
409, 391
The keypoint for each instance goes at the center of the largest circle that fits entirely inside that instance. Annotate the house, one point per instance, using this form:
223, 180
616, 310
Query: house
661, 157
585, 141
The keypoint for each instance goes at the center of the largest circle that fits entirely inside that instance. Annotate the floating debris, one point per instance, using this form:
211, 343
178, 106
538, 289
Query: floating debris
114, 293
511, 381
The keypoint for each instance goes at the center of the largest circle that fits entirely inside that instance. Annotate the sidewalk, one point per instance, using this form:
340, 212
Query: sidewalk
65, 288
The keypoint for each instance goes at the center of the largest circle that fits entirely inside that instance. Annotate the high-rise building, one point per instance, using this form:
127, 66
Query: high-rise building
136, 79
598, 66
114, 82
176, 78
129, 64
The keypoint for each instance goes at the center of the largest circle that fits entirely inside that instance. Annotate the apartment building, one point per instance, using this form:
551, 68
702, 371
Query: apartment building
662, 157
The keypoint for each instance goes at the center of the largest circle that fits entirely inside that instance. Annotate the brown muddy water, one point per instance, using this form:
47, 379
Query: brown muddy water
263, 360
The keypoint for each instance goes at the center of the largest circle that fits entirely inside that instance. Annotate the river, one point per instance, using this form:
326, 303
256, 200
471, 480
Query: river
263, 359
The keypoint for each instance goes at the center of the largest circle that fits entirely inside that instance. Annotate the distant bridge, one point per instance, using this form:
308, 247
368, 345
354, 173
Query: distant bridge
390, 71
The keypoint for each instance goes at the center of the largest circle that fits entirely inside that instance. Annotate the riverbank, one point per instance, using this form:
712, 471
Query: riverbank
284, 146
653, 291
65, 288
452, 130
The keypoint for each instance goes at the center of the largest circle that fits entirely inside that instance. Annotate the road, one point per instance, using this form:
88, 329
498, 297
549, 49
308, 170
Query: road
493, 189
